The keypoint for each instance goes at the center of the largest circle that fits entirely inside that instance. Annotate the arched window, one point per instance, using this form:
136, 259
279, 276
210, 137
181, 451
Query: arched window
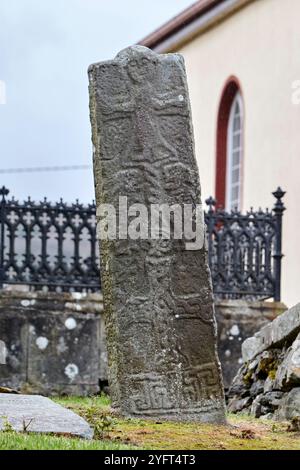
234, 154
230, 147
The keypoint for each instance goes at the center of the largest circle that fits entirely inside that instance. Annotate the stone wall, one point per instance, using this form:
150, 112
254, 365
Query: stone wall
238, 320
55, 343
268, 383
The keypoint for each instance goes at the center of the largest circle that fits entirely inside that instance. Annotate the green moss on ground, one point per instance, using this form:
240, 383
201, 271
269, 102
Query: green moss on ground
115, 433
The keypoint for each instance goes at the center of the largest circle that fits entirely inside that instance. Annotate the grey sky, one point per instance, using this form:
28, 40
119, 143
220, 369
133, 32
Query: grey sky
45, 49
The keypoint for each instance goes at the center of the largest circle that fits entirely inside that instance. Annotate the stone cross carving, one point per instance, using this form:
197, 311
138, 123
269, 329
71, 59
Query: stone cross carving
160, 322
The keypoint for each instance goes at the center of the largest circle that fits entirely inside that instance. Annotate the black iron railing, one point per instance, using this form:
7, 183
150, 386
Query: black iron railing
245, 251
48, 246
53, 247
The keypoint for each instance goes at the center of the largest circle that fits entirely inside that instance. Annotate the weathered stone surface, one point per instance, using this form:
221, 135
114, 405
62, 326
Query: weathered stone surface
283, 328
238, 320
235, 405
39, 414
272, 399
160, 322
288, 373
268, 364
239, 387
250, 348
3, 352
272, 377
269, 385
257, 388
290, 406
265, 404
256, 407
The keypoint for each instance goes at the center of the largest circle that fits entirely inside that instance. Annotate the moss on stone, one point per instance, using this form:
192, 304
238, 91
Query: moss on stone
247, 378
267, 367
272, 374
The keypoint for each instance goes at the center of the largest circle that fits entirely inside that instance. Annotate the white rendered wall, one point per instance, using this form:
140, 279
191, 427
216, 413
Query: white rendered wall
260, 45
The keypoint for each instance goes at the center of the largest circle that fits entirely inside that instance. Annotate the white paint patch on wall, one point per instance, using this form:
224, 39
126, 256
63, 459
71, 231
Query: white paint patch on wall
71, 323
235, 330
42, 343
71, 371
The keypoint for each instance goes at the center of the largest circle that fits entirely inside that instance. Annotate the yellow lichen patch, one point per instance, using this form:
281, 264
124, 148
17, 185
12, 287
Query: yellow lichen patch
247, 378
268, 366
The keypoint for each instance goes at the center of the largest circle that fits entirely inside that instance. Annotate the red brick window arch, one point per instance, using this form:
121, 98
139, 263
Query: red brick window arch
230, 147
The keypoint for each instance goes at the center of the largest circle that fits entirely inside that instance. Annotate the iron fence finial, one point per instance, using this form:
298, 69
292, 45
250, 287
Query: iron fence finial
279, 205
211, 203
4, 192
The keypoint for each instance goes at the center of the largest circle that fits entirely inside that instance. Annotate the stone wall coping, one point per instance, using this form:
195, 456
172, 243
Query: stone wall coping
274, 334
53, 301
256, 305
78, 296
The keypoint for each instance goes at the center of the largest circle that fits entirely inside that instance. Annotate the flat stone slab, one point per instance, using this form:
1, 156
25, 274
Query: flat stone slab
274, 334
41, 415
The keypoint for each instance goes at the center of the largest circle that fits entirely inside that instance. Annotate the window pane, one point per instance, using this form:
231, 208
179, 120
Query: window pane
235, 193
237, 123
236, 141
236, 158
234, 154
236, 176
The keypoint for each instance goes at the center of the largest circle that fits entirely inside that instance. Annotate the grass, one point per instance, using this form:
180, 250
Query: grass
14, 441
115, 433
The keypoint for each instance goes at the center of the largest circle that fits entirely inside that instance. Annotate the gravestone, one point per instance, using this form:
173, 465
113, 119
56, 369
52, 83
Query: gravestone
41, 415
160, 323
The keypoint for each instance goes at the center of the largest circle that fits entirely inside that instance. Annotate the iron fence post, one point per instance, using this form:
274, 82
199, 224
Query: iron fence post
211, 203
278, 209
3, 192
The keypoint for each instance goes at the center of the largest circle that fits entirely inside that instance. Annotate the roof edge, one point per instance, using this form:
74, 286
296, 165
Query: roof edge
199, 17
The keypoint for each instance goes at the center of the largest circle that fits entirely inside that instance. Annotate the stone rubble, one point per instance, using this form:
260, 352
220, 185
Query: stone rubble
268, 383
